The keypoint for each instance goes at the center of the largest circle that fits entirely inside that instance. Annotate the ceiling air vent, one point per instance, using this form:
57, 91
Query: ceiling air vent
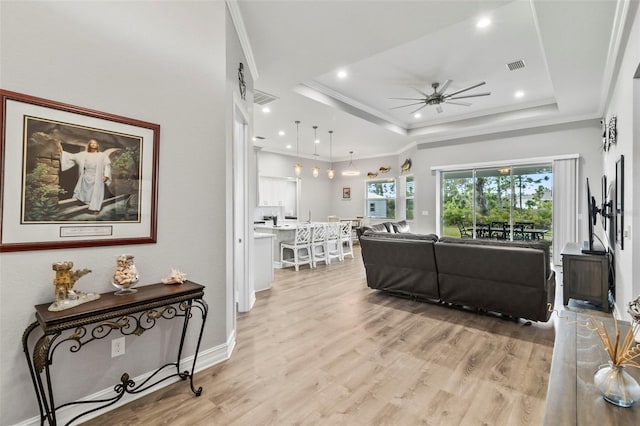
516, 65
262, 98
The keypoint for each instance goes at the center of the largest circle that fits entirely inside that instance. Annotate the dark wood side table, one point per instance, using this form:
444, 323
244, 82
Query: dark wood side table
585, 276
130, 314
572, 398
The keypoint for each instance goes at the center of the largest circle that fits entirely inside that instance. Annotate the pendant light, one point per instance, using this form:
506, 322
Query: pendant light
316, 170
331, 173
297, 168
351, 171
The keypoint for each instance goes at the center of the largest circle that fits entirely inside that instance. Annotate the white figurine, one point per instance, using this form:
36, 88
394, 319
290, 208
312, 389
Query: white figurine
175, 277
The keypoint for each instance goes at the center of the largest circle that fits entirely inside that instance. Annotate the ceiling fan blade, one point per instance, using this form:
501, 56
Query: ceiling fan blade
421, 92
408, 99
413, 112
444, 86
403, 106
471, 96
465, 89
439, 109
458, 103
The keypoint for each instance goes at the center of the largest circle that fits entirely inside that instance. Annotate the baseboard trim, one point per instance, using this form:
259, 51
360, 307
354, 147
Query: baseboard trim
206, 358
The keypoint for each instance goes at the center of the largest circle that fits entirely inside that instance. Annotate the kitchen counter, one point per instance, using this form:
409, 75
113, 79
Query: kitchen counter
284, 232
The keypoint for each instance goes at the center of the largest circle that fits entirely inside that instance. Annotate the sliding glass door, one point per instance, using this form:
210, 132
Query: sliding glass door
510, 202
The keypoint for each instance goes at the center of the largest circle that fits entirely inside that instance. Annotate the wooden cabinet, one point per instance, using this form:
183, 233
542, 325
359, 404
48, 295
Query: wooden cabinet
585, 276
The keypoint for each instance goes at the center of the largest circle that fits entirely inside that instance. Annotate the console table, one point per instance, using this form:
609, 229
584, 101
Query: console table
572, 398
130, 314
585, 276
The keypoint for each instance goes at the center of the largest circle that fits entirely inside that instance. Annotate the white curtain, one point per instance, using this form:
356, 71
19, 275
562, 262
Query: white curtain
565, 205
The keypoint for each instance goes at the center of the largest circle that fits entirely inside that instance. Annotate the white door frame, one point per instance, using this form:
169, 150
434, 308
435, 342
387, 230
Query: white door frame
244, 293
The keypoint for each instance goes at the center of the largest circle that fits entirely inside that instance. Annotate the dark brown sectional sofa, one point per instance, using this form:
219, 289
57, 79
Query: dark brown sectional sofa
511, 278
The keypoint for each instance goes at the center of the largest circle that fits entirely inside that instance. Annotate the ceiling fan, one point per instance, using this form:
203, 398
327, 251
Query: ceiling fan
438, 97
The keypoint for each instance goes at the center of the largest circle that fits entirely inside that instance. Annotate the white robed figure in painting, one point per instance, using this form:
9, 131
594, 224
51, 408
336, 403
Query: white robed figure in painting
94, 170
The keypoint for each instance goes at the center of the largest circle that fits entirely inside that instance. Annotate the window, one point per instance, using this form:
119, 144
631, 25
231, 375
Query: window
410, 189
381, 199
479, 199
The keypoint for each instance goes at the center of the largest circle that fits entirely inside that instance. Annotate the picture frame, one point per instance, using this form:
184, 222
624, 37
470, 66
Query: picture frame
75, 177
346, 193
619, 202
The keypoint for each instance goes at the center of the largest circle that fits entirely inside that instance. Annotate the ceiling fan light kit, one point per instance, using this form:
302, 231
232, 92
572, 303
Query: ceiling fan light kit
439, 97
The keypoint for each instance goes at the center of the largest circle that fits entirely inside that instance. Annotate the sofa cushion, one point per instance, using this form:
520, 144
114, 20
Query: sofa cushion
379, 227
401, 227
389, 227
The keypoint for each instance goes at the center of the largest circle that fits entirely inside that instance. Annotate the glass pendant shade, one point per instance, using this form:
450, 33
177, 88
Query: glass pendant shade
331, 173
315, 171
351, 171
297, 168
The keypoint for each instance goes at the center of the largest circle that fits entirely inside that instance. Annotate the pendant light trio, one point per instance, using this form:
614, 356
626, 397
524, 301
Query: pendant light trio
350, 171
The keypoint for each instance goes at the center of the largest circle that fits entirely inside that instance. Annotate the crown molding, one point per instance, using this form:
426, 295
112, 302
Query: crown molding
241, 31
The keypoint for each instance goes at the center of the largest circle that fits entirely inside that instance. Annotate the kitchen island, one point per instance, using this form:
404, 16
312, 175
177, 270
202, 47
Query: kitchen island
283, 232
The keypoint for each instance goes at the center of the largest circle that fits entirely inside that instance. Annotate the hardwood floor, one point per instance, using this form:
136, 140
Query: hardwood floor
322, 348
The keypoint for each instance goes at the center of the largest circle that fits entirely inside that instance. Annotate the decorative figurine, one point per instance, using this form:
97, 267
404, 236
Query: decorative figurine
175, 277
65, 296
406, 166
126, 275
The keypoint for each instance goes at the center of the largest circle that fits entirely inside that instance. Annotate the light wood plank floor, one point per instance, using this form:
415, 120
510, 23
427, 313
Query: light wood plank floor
321, 348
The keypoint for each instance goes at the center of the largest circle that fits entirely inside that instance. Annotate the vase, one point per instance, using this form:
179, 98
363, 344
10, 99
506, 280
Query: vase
126, 275
616, 385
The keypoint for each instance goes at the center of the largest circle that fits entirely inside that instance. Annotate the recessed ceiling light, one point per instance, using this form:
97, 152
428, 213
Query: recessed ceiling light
266, 110
317, 141
281, 132
483, 22
417, 115
288, 147
519, 94
342, 74
254, 139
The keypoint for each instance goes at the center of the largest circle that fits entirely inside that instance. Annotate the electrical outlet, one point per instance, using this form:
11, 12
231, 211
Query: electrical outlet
117, 347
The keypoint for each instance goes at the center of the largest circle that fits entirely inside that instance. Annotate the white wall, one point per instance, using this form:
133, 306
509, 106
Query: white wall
625, 104
162, 62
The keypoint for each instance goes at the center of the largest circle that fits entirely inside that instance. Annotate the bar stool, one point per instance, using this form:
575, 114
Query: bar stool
346, 240
300, 246
319, 244
333, 243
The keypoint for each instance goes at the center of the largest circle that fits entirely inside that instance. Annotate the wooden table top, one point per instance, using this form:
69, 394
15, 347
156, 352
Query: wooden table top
572, 398
110, 303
